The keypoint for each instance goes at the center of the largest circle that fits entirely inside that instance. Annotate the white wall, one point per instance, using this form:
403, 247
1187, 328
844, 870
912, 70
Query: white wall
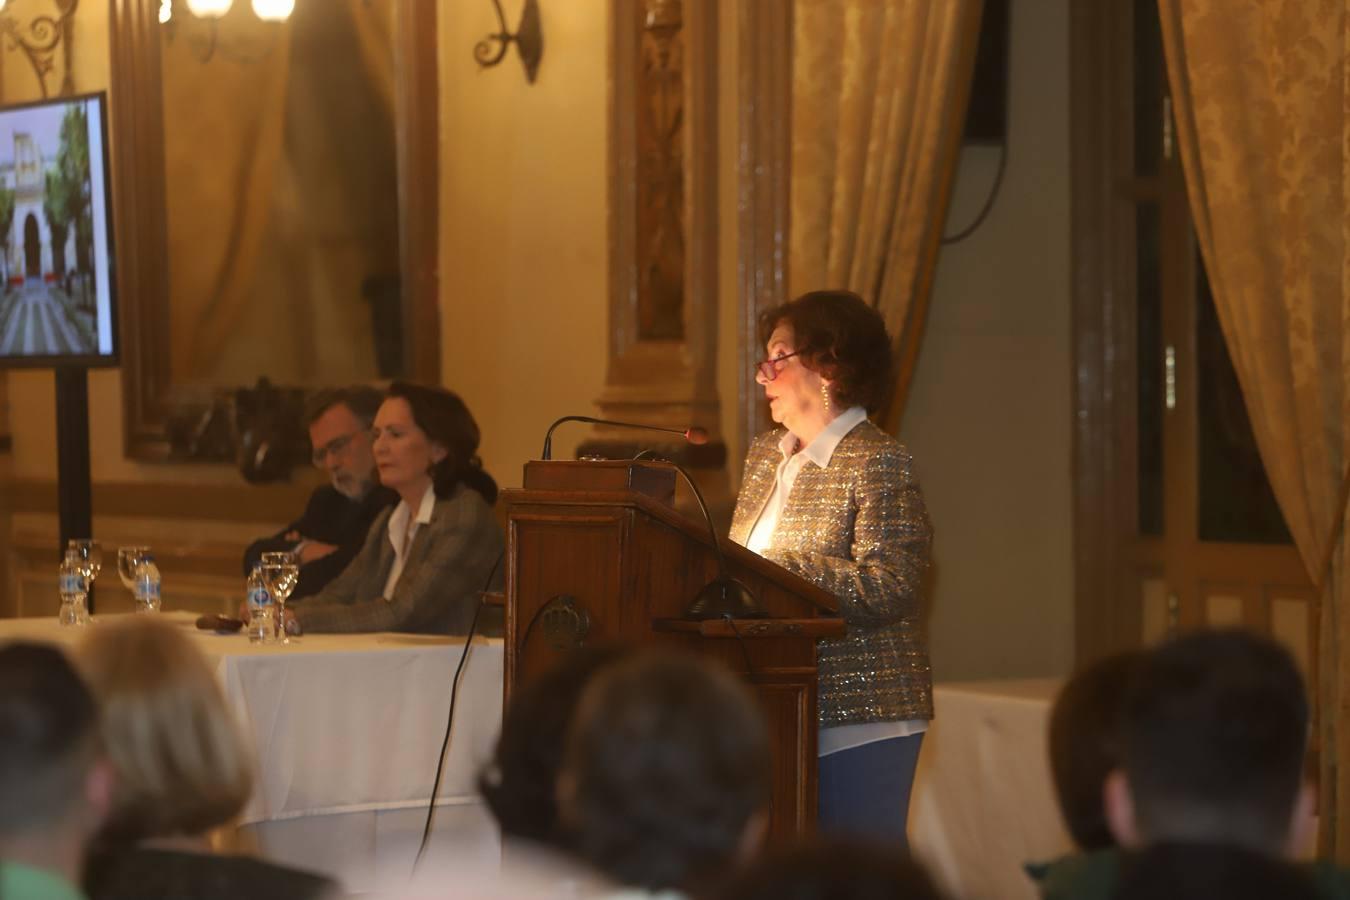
989, 414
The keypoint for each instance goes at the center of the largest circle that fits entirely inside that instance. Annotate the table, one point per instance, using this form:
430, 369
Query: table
983, 801
348, 728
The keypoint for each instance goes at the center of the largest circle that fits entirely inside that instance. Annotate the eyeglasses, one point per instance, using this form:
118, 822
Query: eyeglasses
336, 446
769, 367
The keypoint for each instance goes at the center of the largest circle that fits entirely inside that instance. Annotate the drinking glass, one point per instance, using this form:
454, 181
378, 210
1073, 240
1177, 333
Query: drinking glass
128, 558
91, 557
280, 571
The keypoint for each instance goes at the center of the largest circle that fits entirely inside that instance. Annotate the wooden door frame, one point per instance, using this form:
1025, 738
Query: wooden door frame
1103, 457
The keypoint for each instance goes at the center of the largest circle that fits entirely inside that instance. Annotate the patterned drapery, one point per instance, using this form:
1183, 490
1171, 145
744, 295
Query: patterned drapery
879, 95
1260, 93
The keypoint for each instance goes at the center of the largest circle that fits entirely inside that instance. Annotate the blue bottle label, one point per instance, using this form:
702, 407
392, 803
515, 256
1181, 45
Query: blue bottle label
72, 583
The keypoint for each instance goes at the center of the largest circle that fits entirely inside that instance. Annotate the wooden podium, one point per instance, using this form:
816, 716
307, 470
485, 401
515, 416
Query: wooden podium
596, 552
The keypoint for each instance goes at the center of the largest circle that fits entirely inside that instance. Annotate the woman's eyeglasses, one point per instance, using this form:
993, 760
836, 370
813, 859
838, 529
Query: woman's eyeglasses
769, 367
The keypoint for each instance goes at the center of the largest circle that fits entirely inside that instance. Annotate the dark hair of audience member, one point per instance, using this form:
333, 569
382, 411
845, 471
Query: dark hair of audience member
1189, 871
520, 784
48, 737
362, 400
666, 772
444, 418
1214, 732
829, 870
1085, 746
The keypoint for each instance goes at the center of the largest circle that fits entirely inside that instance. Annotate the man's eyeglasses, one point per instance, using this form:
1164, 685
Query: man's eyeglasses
335, 446
769, 367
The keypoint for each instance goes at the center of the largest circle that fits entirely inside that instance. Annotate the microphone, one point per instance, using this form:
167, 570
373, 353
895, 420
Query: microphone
692, 434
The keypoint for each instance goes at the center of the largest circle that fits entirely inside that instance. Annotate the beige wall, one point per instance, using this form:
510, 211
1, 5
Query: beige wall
523, 242
989, 415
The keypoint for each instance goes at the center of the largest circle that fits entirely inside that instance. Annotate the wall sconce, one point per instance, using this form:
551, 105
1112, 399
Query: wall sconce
39, 38
529, 40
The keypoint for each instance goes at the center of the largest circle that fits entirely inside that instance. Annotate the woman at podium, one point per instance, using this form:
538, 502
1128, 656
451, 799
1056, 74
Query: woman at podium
833, 498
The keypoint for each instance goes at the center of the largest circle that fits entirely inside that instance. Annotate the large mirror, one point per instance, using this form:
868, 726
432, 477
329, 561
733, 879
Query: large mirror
275, 190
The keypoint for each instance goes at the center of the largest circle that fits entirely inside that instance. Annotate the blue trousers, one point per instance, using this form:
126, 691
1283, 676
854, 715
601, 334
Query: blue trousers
864, 791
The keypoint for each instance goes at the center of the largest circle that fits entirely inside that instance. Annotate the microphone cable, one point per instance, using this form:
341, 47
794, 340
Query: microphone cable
450, 719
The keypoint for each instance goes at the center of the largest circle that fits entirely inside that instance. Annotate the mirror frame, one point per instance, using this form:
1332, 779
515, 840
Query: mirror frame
151, 401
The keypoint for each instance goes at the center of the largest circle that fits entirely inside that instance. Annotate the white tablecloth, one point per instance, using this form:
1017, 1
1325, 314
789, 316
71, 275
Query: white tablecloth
983, 801
347, 728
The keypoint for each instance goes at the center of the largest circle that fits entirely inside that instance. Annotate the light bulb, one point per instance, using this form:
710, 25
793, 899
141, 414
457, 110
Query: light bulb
165, 10
273, 10
209, 9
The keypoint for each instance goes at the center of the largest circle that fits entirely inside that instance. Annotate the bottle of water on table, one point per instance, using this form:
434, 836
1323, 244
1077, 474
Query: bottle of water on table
74, 591
261, 621
147, 584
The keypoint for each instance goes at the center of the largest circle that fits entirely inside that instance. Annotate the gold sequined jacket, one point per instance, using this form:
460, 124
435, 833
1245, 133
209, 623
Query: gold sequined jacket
857, 528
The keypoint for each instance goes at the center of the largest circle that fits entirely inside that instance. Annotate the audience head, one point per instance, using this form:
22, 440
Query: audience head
1188, 871
1085, 744
182, 768
1213, 736
521, 783
339, 422
427, 435
54, 782
832, 341
830, 870
665, 778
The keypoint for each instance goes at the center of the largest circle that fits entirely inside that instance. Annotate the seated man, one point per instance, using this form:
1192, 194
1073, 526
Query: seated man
1213, 733
55, 785
338, 516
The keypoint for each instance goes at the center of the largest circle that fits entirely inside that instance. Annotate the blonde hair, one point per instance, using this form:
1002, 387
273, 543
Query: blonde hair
182, 767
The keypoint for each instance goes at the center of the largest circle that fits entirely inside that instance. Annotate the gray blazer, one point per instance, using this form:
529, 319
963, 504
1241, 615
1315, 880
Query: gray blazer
448, 565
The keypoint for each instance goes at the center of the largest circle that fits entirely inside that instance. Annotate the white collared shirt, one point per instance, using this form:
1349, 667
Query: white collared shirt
401, 534
819, 452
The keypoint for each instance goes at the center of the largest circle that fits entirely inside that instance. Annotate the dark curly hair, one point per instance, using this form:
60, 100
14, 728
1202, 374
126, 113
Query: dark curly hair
840, 336
444, 418
666, 765
520, 783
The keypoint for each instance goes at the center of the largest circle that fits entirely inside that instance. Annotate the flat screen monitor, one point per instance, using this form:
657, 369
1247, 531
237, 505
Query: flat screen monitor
58, 305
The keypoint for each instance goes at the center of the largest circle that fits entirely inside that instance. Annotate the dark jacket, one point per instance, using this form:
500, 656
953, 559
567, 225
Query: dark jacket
448, 565
137, 873
330, 518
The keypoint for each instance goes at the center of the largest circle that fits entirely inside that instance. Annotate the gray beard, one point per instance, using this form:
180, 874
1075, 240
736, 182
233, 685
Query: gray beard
351, 488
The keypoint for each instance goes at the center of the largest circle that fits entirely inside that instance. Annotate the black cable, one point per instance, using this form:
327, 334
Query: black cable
745, 651
450, 719
989, 201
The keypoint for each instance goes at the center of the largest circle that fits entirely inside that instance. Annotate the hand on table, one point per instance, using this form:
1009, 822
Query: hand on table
313, 550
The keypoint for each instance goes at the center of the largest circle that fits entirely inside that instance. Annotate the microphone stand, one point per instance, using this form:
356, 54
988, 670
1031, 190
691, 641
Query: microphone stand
723, 597
692, 435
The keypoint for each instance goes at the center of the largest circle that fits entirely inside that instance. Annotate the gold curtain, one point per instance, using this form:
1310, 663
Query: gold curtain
1260, 96
879, 94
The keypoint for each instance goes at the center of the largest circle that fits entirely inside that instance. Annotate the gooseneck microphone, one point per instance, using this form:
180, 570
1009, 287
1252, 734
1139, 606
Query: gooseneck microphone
692, 434
724, 596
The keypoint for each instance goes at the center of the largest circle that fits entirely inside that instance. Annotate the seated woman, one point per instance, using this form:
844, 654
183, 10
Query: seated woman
181, 769
426, 561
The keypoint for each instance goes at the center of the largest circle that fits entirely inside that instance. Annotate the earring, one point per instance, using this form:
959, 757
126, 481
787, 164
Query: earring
825, 395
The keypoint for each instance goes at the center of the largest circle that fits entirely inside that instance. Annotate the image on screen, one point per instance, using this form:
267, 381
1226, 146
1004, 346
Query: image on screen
57, 304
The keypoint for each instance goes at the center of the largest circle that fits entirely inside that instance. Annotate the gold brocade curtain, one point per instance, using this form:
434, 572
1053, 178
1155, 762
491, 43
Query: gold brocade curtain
879, 94
1260, 93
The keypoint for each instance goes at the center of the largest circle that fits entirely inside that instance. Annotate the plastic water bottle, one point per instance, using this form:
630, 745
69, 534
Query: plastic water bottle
147, 584
74, 592
261, 616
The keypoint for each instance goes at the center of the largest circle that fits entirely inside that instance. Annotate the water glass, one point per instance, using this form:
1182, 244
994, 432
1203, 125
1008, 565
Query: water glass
128, 558
90, 555
280, 571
